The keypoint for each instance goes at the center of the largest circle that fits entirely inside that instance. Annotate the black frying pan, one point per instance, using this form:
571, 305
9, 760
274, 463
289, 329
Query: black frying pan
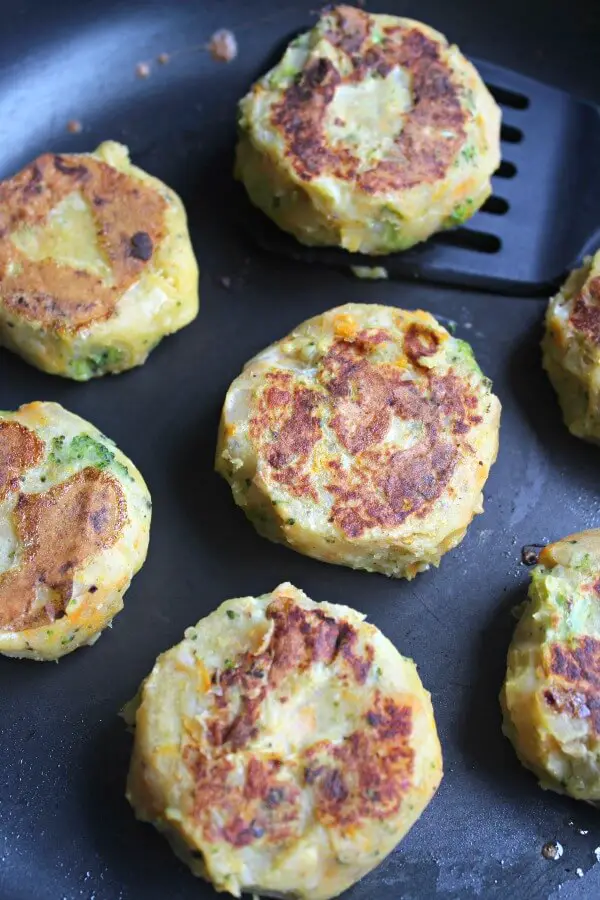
65, 829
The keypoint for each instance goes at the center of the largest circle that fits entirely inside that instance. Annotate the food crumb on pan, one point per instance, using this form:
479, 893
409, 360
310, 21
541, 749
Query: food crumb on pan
223, 46
74, 126
374, 273
597, 853
163, 58
583, 831
225, 281
142, 70
579, 873
553, 850
530, 554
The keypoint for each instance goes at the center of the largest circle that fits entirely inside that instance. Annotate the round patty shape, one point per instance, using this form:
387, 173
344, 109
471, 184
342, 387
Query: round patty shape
571, 347
74, 528
284, 747
96, 264
371, 134
551, 696
362, 438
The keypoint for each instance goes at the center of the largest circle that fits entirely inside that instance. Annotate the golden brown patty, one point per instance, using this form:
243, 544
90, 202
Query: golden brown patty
96, 264
284, 747
60, 529
301, 113
363, 438
551, 695
74, 523
372, 132
571, 348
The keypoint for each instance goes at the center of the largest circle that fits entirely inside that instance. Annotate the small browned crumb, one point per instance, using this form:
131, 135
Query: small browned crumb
530, 554
163, 58
74, 126
142, 70
552, 850
223, 46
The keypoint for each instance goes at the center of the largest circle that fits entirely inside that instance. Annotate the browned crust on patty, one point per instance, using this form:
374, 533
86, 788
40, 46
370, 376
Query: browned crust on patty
264, 808
383, 486
365, 776
291, 412
20, 450
585, 316
58, 530
129, 219
420, 341
574, 672
300, 639
420, 154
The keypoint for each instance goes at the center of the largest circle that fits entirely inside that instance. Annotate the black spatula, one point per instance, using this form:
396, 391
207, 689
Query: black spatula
543, 216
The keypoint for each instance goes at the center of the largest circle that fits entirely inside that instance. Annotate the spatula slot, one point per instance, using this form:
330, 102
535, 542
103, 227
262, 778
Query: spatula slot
508, 98
497, 206
505, 170
479, 241
510, 134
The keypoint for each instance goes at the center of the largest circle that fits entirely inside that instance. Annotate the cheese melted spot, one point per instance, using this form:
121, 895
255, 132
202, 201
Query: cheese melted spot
368, 115
68, 236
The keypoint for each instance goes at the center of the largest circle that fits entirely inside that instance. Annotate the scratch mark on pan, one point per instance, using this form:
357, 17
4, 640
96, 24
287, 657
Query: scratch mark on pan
429, 610
530, 487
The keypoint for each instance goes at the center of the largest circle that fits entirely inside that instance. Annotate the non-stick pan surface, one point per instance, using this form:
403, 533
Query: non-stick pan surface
66, 830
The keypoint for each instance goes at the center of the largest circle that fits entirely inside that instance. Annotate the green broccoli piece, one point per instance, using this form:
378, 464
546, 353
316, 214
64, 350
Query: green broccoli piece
95, 364
463, 352
393, 238
84, 448
461, 212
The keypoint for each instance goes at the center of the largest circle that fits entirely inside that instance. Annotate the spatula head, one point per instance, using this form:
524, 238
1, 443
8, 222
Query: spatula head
541, 220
